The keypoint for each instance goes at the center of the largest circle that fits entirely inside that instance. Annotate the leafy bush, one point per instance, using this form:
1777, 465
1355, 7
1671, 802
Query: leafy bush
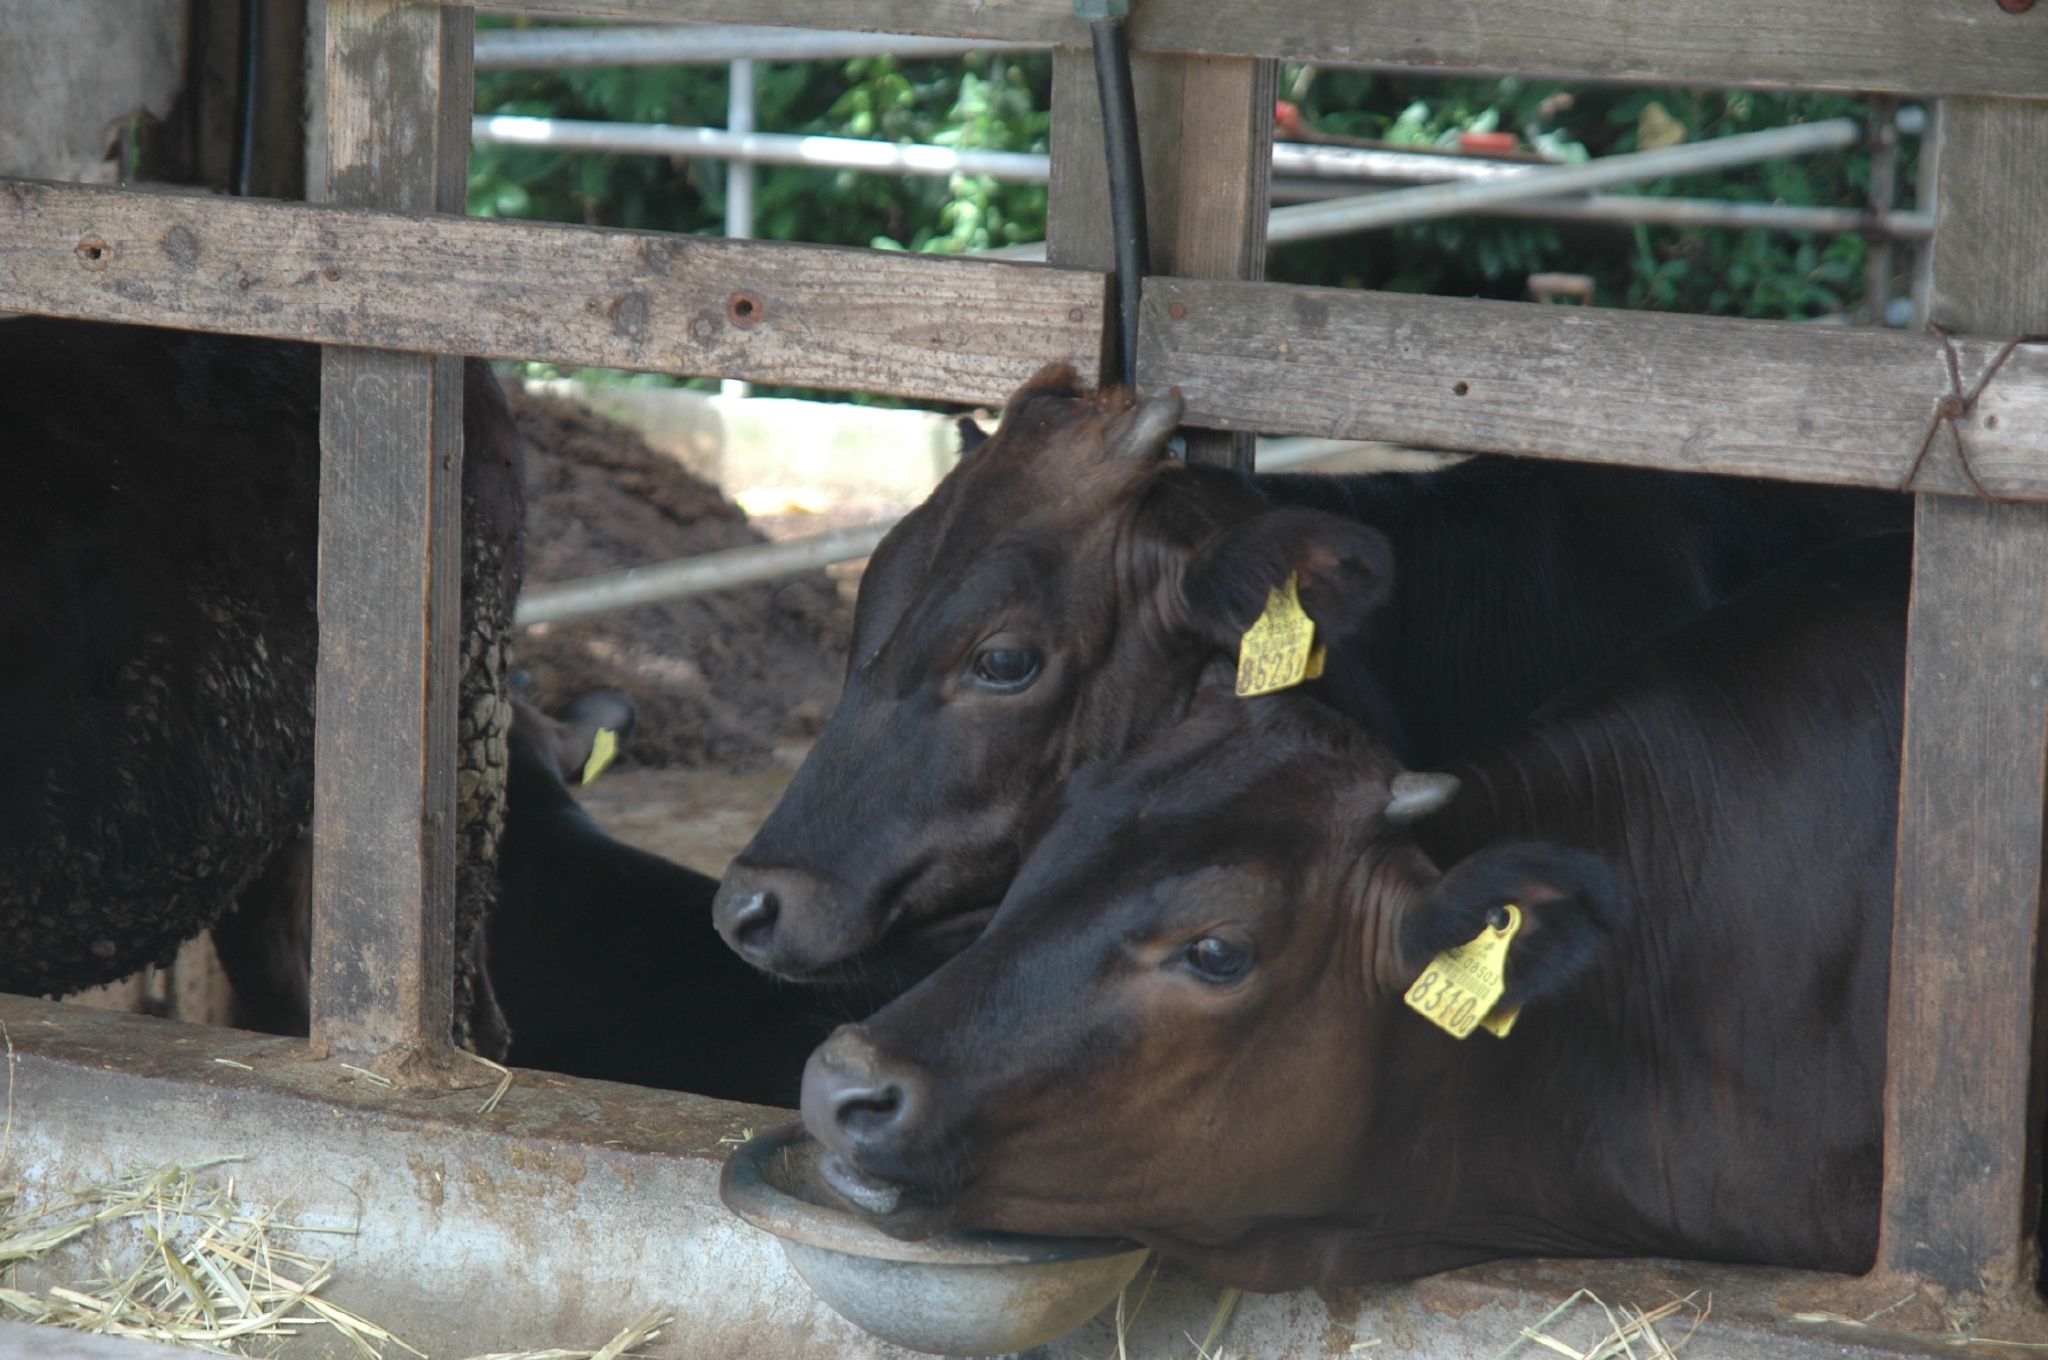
1000, 101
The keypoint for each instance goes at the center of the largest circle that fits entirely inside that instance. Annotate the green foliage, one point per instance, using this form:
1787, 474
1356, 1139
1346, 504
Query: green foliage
1789, 275
999, 101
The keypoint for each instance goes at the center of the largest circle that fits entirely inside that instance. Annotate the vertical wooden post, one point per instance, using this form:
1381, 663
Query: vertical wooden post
398, 93
1963, 1083
1207, 130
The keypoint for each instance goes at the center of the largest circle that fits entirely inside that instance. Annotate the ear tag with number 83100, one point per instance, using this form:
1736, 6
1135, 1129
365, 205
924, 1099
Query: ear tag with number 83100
1278, 651
1459, 989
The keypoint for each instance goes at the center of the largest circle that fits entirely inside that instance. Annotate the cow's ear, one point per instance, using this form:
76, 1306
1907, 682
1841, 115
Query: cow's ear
1343, 571
972, 436
1571, 904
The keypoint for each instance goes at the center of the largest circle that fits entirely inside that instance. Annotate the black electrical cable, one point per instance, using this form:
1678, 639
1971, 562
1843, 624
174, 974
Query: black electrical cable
1126, 185
242, 172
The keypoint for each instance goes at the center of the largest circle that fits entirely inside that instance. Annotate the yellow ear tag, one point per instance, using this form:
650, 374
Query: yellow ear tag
604, 749
1462, 985
1278, 650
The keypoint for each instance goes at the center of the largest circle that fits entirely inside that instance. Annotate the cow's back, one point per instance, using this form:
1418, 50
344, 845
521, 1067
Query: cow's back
1743, 775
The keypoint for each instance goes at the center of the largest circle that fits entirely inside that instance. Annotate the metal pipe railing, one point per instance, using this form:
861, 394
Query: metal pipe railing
1315, 172
1370, 211
760, 562
705, 45
758, 148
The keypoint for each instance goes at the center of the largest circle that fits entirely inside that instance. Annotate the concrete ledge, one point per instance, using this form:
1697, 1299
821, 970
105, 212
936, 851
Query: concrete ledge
577, 1205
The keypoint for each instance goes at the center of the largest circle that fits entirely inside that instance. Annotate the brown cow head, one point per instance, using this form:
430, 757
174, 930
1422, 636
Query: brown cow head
1054, 601
1179, 1023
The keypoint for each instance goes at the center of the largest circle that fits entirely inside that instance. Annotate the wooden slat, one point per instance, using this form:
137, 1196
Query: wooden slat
1900, 46
398, 95
853, 320
1207, 128
1964, 1073
1768, 399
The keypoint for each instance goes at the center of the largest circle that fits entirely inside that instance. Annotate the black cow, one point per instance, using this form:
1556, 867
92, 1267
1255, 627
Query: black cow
158, 537
1186, 1023
605, 959
1059, 595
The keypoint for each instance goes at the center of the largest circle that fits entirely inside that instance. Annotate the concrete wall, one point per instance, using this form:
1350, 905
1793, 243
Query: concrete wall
73, 72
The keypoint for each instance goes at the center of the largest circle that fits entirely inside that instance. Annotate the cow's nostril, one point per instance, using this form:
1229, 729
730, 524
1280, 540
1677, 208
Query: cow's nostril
753, 921
870, 1109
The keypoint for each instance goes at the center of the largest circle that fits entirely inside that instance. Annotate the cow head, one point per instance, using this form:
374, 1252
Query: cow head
1054, 601
1179, 1023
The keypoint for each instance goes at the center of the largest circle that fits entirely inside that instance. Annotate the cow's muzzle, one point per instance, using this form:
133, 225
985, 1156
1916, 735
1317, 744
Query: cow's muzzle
786, 921
887, 1132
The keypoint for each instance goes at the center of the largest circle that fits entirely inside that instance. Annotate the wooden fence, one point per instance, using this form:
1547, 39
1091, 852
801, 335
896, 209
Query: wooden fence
391, 278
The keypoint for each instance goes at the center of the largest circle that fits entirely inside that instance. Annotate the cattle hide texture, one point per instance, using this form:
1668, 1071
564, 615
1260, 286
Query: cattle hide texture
158, 550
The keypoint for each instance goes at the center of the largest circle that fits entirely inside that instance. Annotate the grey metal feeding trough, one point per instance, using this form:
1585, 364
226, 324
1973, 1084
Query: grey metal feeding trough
959, 1293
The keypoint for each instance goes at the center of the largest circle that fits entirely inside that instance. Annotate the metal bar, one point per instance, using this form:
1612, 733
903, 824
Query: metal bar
849, 153
739, 176
699, 575
1926, 189
760, 148
730, 568
1906, 225
1913, 225
708, 45
1442, 200
1884, 183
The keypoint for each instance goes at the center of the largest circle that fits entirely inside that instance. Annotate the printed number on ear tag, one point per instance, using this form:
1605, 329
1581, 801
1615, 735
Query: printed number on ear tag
1459, 990
604, 749
1278, 650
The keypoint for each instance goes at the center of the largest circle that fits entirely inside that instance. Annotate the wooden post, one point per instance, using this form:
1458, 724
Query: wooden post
398, 93
1964, 1076
1207, 130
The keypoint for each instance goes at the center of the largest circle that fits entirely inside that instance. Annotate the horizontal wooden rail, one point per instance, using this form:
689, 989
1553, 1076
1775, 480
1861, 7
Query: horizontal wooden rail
816, 316
1904, 46
1707, 394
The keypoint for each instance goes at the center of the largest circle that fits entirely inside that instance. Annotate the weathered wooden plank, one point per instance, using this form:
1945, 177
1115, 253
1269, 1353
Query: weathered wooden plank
1964, 1066
397, 100
1768, 399
819, 316
1206, 124
1899, 46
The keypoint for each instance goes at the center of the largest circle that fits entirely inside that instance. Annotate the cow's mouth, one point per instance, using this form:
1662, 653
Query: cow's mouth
903, 957
891, 1206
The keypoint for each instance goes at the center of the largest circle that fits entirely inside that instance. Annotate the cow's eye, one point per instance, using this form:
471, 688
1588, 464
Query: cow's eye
1006, 668
1218, 960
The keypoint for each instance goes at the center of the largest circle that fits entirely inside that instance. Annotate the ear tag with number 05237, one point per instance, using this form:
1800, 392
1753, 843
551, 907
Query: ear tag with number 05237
1459, 989
1278, 651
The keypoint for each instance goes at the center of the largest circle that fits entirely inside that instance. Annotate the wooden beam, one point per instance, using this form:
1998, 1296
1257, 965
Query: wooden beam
1704, 394
1896, 46
1963, 1100
1207, 129
398, 98
818, 316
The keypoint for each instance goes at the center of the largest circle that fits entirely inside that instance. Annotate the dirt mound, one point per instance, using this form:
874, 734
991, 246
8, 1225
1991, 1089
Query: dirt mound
720, 679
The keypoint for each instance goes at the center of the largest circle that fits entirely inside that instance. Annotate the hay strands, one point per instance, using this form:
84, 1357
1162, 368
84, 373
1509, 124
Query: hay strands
1633, 1333
208, 1277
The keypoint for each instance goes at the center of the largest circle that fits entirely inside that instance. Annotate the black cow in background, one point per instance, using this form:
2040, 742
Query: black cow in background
158, 540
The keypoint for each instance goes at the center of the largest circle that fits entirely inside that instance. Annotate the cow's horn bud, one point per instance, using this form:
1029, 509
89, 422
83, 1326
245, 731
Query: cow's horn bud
1416, 796
1152, 423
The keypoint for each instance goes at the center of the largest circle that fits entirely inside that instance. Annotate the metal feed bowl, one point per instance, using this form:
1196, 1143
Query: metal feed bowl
959, 1293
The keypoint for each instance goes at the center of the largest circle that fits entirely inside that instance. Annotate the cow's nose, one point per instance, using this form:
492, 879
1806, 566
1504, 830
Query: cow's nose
857, 1100
753, 923
781, 919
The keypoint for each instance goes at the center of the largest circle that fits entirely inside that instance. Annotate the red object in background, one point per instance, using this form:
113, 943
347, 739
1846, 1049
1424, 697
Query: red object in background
1489, 141
1287, 118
